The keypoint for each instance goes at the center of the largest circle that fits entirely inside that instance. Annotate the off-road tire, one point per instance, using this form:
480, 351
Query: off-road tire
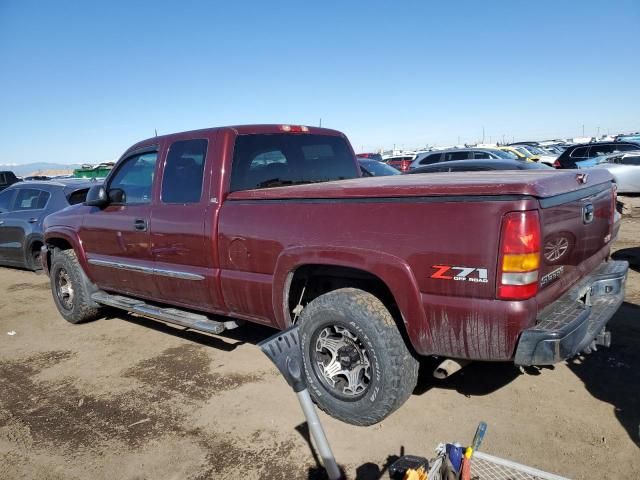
79, 308
394, 368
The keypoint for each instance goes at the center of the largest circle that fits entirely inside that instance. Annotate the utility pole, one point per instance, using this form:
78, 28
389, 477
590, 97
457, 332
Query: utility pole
583, 129
458, 140
482, 134
503, 139
320, 122
598, 133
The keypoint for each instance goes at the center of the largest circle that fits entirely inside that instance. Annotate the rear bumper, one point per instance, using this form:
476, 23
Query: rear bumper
570, 324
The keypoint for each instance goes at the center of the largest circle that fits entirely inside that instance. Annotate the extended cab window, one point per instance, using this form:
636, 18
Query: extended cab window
31, 199
135, 178
183, 172
273, 160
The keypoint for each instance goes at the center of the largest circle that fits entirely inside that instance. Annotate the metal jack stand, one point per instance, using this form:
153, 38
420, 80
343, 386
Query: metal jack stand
285, 352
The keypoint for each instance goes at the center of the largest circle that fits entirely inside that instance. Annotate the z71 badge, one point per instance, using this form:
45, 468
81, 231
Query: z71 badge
461, 274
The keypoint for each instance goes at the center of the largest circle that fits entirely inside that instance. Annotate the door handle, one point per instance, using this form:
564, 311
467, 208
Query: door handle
33, 220
140, 224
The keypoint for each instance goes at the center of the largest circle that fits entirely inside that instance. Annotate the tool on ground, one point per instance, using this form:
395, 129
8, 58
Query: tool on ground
285, 352
475, 445
409, 467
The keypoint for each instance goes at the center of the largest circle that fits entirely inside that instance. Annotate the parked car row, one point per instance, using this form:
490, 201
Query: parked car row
617, 156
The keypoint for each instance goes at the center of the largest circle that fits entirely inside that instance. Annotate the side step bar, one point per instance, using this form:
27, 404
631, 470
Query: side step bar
183, 318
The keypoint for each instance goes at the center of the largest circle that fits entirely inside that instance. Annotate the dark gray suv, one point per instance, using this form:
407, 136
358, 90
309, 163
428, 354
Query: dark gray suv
23, 207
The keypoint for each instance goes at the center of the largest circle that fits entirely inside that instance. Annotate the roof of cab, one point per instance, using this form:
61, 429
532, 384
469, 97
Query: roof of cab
238, 130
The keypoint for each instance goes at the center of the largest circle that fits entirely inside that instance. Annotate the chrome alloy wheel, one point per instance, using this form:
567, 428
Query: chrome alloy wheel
64, 289
342, 362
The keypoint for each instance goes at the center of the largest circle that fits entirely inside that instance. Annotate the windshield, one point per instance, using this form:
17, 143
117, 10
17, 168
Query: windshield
524, 151
274, 160
505, 154
377, 169
536, 150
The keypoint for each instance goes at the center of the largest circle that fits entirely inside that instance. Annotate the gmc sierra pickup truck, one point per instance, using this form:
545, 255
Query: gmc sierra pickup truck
274, 224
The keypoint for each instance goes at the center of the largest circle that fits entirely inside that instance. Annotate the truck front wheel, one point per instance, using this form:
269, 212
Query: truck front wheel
357, 364
70, 292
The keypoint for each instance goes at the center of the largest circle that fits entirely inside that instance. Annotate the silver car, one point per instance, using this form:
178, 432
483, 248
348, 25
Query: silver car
625, 169
451, 154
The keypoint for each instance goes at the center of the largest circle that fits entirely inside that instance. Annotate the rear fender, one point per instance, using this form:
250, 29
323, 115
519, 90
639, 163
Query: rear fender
392, 270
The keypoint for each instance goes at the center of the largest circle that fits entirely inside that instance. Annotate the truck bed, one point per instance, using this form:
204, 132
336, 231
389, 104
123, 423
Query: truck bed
535, 183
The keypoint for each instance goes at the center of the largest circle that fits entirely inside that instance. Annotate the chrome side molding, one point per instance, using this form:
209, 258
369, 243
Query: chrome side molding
150, 271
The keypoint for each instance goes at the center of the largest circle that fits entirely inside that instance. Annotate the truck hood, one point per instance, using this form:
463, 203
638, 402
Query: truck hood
536, 183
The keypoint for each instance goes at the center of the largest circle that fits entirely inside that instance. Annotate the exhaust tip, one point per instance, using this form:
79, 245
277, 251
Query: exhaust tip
448, 367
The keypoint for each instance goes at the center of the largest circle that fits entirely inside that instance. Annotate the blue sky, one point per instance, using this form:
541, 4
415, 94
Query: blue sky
81, 81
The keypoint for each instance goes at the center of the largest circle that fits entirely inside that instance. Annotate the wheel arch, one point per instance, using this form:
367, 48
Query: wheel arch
30, 241
64, 238
390, 272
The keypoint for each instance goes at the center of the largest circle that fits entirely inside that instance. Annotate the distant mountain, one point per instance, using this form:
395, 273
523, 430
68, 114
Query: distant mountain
35, 167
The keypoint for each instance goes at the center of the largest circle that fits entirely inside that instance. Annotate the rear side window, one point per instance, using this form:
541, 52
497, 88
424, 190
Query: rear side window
135, 178
626, 148
481, 155
599, 150
273, 160
580, 152
449, 156
429, 159
3, 179
183, 172
630, 161
78, 196
31, 199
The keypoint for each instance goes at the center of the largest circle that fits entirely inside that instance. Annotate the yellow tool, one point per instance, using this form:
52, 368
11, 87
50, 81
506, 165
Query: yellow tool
418, 474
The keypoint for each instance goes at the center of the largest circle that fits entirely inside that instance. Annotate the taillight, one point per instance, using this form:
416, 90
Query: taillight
519, 256
556, 164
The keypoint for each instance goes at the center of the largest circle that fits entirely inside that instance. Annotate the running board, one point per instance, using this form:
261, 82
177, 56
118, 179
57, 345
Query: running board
183, 318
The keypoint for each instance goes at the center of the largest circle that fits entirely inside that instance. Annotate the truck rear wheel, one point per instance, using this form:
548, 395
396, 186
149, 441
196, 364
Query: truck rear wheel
357, 364
69, 289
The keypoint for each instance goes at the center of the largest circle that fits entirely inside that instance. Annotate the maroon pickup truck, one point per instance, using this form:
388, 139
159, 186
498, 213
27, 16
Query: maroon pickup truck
273, 224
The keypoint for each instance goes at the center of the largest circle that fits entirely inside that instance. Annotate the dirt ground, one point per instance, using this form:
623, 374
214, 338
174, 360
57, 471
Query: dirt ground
129, 398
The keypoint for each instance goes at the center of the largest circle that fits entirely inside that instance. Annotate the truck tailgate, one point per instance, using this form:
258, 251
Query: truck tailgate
577, 228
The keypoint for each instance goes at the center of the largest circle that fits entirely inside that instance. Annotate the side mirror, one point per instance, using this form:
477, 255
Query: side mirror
97, 196
117, 195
